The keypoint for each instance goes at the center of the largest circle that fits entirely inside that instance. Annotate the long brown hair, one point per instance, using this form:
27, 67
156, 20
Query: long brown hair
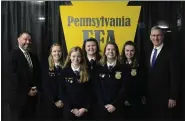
50, 58
104, 57
98, 56
123, 56
84, 77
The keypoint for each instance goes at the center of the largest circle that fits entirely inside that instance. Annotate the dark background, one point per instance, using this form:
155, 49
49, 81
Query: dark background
17, 16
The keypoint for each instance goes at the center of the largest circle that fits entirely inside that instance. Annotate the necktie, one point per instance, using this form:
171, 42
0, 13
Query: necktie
28, 59
77, 73
92, 62
154, 57
57, 68
110, 68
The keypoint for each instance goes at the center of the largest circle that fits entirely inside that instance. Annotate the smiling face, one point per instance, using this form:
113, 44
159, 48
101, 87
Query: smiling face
129, 51
75, 58
24, 41
156, 37
56, 53
90, 48
110, 51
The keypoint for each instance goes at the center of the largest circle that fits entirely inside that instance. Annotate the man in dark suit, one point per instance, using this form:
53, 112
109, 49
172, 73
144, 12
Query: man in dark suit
23, 81
163, 82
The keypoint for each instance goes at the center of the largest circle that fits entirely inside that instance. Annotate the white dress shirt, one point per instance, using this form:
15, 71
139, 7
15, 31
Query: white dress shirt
158, 51
27, 56
77, 69
111, 64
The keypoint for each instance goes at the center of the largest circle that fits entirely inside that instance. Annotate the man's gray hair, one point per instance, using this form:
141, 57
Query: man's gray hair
157, 28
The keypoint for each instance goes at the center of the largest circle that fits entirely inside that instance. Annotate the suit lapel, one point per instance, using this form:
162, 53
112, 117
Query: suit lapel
22, 57
160, 56
149, 56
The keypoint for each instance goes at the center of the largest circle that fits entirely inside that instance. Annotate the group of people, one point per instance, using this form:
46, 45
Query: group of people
88, 86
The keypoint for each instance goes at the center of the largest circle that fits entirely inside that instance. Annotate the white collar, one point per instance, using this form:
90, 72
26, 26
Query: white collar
159, 47
111, 64
91, 58
78, 69
57, 64
128, 62
22, 49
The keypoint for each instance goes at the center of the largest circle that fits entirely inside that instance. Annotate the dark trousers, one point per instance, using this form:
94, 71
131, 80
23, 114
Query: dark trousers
160, 112
51, 113
136, 111
26, 112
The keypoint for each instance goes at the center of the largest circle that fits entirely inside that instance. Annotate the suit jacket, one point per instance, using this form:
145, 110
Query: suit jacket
110, 86
92, 69
163, 79
73, 93
134, 87
50, 84
20, 77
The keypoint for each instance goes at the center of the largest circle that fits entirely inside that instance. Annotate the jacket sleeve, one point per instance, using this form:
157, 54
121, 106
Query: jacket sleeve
12, 78
88, 99
46, 86
98, 88
62, 91
121, 94
37, 74
174, 78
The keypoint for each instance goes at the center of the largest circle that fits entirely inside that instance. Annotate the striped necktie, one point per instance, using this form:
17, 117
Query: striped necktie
28, 58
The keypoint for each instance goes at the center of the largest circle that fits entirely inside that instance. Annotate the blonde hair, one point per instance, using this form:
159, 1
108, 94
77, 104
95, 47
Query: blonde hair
50, 58
84, 77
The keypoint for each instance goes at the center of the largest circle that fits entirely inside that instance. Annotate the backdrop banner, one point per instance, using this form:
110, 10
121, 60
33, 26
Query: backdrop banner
103, 20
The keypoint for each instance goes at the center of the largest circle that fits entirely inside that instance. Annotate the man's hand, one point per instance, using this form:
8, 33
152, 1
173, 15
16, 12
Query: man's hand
171, 103
33, 91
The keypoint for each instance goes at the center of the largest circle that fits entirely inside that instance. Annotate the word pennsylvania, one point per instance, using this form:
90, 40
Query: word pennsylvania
98, 22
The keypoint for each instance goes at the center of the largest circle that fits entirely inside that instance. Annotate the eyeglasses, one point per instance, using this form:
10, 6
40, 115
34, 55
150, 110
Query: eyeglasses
159, 35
